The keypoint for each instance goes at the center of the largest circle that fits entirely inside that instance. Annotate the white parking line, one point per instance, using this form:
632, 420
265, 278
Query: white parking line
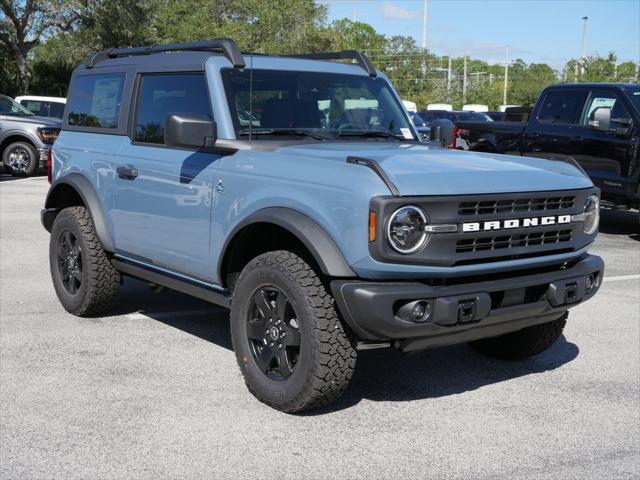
159, 315
621, 278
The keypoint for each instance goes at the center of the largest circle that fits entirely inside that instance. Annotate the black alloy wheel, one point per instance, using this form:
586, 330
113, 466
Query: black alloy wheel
70, 265
273, 332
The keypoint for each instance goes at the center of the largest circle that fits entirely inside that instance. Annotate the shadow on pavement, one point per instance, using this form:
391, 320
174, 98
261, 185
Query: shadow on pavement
380, 375
620, 222
5, 176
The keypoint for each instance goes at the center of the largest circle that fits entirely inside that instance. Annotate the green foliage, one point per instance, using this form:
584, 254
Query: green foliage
72, 29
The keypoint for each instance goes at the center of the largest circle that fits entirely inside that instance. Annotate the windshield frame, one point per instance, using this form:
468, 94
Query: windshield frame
22, 111
332, 135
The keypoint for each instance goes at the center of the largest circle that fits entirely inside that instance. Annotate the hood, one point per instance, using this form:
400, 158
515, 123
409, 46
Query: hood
35, 120
423, 170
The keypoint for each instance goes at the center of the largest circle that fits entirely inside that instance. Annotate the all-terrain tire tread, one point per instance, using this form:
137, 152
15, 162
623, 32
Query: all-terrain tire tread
334, 348
104, 279
524, 343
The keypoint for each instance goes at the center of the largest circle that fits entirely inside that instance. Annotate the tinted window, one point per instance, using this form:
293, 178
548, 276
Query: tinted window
561, 107
44, 108
603, 99
95, 100
161, 95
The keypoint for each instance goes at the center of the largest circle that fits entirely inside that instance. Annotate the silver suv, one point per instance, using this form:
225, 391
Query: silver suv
25, 139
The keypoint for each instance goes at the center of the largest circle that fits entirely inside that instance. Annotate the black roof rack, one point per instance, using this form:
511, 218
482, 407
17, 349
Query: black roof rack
229, 49
359, 57
224, 45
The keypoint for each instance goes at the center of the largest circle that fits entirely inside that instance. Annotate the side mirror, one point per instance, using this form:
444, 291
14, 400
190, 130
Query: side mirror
442, 131
601, 119
189, 131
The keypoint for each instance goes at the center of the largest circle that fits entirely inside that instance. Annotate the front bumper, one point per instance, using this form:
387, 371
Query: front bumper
467, 311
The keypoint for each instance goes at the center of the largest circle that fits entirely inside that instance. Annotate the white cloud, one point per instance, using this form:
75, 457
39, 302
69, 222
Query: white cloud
389, 10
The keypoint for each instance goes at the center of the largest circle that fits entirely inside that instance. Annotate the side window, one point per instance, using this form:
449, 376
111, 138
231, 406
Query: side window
95, 100
163, 94
604, 99
562, 107
56, 110
33, 106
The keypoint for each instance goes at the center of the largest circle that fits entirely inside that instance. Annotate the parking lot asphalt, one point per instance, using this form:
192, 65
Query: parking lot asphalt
153, 391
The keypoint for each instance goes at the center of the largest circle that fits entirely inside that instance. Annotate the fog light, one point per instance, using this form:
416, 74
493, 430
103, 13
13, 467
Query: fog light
589, 283
421, 311
592, 281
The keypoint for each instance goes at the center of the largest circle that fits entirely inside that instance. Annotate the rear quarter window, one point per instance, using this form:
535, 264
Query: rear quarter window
95, 100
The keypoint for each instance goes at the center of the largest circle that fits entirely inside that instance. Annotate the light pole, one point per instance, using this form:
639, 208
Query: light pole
584, 45
506, 77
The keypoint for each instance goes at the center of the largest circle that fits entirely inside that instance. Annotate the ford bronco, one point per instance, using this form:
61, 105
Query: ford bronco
295, 192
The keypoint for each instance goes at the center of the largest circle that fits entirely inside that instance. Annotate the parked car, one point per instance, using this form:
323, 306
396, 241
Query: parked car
324, 234
475, 107
43, 106
25, 139
594, 125
454, 116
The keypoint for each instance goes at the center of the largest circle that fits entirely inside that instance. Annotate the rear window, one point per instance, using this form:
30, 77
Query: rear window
95, 100
562, 107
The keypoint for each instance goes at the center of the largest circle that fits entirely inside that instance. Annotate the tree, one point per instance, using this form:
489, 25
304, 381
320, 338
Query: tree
23, 23
286, 26
350, 35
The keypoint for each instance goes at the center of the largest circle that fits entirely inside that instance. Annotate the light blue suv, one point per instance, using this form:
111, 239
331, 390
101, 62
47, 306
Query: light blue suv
295, 191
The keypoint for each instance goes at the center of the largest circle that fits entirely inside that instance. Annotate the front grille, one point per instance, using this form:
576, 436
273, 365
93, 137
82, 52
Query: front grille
484, 243
488, 207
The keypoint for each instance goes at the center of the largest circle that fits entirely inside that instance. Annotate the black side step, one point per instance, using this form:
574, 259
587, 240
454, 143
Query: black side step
221, 298
375, 166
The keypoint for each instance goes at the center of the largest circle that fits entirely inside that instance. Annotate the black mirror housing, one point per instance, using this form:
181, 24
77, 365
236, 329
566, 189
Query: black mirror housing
189, 131
442, 131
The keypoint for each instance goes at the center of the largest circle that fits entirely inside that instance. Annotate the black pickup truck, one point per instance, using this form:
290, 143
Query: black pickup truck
596, 125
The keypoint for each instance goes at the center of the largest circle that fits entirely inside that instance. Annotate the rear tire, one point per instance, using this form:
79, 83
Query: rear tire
20, 158
524, 343
84, 279
312, 363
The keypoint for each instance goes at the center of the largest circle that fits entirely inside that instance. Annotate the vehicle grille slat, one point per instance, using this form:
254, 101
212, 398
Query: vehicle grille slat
538, 204
484, 243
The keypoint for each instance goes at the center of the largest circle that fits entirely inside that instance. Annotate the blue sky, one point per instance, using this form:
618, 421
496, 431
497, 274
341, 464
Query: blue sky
547, 31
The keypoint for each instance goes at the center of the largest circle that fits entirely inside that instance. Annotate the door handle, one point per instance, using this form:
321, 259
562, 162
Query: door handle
127, 172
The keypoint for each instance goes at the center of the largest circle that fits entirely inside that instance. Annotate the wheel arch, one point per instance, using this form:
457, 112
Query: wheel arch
12, 137
76, 190
278, 228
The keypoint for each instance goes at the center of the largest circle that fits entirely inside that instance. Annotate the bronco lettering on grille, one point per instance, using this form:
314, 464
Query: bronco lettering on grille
515, 223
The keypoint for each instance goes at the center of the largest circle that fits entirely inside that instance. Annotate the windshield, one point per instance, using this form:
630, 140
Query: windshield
318, 105
474, 117
10, 107
634, 96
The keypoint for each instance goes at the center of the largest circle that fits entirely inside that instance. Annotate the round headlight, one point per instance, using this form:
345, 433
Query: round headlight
591, 214
406, 229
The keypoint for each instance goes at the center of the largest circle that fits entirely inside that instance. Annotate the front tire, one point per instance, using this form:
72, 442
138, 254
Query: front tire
20, 158
291, 346
84, 279
524, 343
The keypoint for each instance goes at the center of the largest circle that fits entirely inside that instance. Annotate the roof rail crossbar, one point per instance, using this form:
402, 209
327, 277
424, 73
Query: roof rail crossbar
224, 45
359, 57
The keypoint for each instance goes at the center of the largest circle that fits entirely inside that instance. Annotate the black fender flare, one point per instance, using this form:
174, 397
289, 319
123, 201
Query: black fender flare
85, 189
322, 247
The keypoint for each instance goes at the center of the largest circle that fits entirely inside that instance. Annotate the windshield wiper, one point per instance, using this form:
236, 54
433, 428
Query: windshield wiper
283, 131
370, 133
